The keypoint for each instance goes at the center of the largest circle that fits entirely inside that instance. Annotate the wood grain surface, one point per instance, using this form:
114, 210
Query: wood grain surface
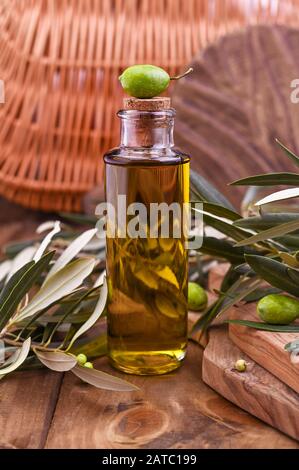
267, 349
173, 411
48, 409
27, 404
255, 390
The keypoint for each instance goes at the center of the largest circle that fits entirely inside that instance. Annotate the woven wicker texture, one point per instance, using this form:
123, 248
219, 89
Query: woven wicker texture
60, 60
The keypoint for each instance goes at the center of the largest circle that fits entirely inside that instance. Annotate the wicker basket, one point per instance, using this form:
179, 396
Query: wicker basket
60, 60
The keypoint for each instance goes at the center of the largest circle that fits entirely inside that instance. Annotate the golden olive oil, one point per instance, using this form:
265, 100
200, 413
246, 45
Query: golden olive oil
147, 276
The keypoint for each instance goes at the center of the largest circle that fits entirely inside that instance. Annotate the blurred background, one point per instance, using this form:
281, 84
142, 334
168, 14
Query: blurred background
60, 61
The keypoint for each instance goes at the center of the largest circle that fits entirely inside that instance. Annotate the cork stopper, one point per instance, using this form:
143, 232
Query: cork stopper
152, 104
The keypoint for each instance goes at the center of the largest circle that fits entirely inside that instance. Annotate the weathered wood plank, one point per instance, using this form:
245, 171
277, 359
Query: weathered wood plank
173, 411
255, 390
265, 348
27, 403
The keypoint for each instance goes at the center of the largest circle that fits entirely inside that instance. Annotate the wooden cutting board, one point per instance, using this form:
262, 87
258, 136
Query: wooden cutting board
265, 348
256, 390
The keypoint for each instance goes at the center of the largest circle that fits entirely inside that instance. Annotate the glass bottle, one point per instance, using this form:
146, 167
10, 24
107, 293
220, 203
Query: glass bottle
147, 275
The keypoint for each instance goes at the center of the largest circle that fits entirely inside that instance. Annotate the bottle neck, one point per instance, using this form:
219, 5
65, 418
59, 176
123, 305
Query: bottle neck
147, 129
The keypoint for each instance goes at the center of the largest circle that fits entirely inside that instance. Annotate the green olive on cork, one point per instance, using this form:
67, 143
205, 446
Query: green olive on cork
147, 81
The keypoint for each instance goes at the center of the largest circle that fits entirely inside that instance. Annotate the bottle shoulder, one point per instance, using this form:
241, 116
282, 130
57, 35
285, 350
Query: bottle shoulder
151, 157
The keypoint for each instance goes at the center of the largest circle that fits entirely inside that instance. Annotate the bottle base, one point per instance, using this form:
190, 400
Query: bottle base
147, 363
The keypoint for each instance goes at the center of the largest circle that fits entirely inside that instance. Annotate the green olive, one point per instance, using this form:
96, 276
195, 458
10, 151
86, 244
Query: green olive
197, 297
240, 365
278, 309
146, 81
89, 365
81, 359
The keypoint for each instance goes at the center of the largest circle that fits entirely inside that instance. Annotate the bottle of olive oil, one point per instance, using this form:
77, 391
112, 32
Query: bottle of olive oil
147, 274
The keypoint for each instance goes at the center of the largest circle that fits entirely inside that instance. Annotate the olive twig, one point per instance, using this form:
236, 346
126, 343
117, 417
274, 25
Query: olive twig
178, 77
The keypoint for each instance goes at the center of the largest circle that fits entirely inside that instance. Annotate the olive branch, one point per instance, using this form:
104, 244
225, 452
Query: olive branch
262, 247
53, 291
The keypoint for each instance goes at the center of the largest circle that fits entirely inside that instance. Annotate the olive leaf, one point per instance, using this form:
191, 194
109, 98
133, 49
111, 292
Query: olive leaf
14, 248
168, 275
59, 316
288, 259
58, 361
289, 241
259, 293
228, 280
71, 307
279, 196
265, 221
19, 357
207, 317
269, 179
266, 326
82, 219
166, 307
102, 380
45, 226
222, 249
217, 209
274, 272
99, 281
47, 240
272, 232
97, 245
165, 243
149, 189
59, 285
5, 268
6, 350
100, 306
241, 288
11, 250
48, 329
71, 251
293, 274
292, 346
237, 292
24, 257
29, 323
18, 285
2, 352
205, 191
224, 226
148, 278
67, 310
92, 347
294, 158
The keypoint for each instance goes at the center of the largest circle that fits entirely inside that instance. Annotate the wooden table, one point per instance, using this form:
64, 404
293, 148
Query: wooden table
44, 409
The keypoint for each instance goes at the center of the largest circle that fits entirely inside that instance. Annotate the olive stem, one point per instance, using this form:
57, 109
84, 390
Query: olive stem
178, 77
